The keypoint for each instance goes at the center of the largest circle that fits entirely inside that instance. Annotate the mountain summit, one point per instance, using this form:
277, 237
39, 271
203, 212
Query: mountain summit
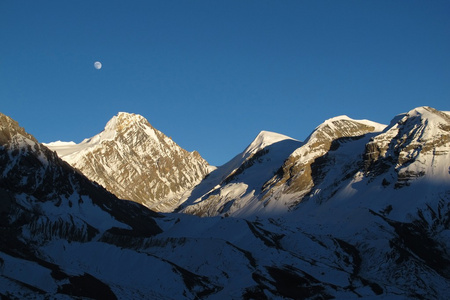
134, 161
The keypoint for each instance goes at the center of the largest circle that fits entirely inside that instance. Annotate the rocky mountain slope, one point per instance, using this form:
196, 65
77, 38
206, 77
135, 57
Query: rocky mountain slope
373, 224
134, 161
277, 176
271, 167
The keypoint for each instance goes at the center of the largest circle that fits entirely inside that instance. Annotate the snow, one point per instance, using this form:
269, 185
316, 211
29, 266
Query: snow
60, 143
130, 152
340, 235
263, 140
214, 197
330, 122
248, 171
68, 150
127, 272
27, 272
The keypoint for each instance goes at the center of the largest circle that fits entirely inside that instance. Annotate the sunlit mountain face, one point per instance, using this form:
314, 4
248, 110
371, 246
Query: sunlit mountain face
358, 209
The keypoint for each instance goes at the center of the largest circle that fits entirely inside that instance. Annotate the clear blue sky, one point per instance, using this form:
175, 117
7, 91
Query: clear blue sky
212, 74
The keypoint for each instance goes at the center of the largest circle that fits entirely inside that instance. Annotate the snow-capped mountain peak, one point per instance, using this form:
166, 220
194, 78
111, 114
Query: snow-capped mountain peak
123, 121
342, 126
263, 140
411, 147
120, 124
334, 122
422, 126
131, 152
433, 119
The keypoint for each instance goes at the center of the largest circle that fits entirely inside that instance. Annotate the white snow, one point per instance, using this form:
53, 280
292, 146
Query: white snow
330, 122
27, 272
67, 150
264, 139
263, 231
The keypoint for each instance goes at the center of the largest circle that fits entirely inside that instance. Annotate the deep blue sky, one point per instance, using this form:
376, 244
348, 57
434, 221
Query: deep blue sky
212, 74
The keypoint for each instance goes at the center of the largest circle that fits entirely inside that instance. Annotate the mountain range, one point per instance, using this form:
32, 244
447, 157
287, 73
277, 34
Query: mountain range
358, 209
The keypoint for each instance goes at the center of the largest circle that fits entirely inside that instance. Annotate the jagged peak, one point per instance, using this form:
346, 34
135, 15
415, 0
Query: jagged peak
10, 128
130, 116
120, 123
124, 120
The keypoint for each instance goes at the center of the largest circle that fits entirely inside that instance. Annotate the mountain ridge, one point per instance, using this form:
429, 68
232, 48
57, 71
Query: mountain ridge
372, 220
254, 192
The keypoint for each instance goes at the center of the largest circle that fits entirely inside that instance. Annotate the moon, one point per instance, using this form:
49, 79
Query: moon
98, 65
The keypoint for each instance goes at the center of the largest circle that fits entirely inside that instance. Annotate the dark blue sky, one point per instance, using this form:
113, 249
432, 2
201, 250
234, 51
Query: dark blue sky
212, 74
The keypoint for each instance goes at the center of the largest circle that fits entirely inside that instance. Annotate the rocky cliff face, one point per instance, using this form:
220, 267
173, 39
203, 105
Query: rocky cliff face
134, 161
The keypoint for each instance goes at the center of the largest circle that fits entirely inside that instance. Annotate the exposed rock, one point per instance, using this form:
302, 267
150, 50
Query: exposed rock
35, 182
409, 145
134, 161
297, 175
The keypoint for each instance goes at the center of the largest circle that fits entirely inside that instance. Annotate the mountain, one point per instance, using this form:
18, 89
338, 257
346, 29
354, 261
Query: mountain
371, 220
65, 237
44, 199
302, 171
272, 166
410, 156
357, 197
129, 152
238, 183
271, 178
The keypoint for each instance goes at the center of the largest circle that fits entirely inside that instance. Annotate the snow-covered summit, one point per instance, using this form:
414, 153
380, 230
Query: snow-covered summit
131, 152
319, 141
238, 183
415, 145
120, 124
342, 126
265, 139
334, 122
423, 126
